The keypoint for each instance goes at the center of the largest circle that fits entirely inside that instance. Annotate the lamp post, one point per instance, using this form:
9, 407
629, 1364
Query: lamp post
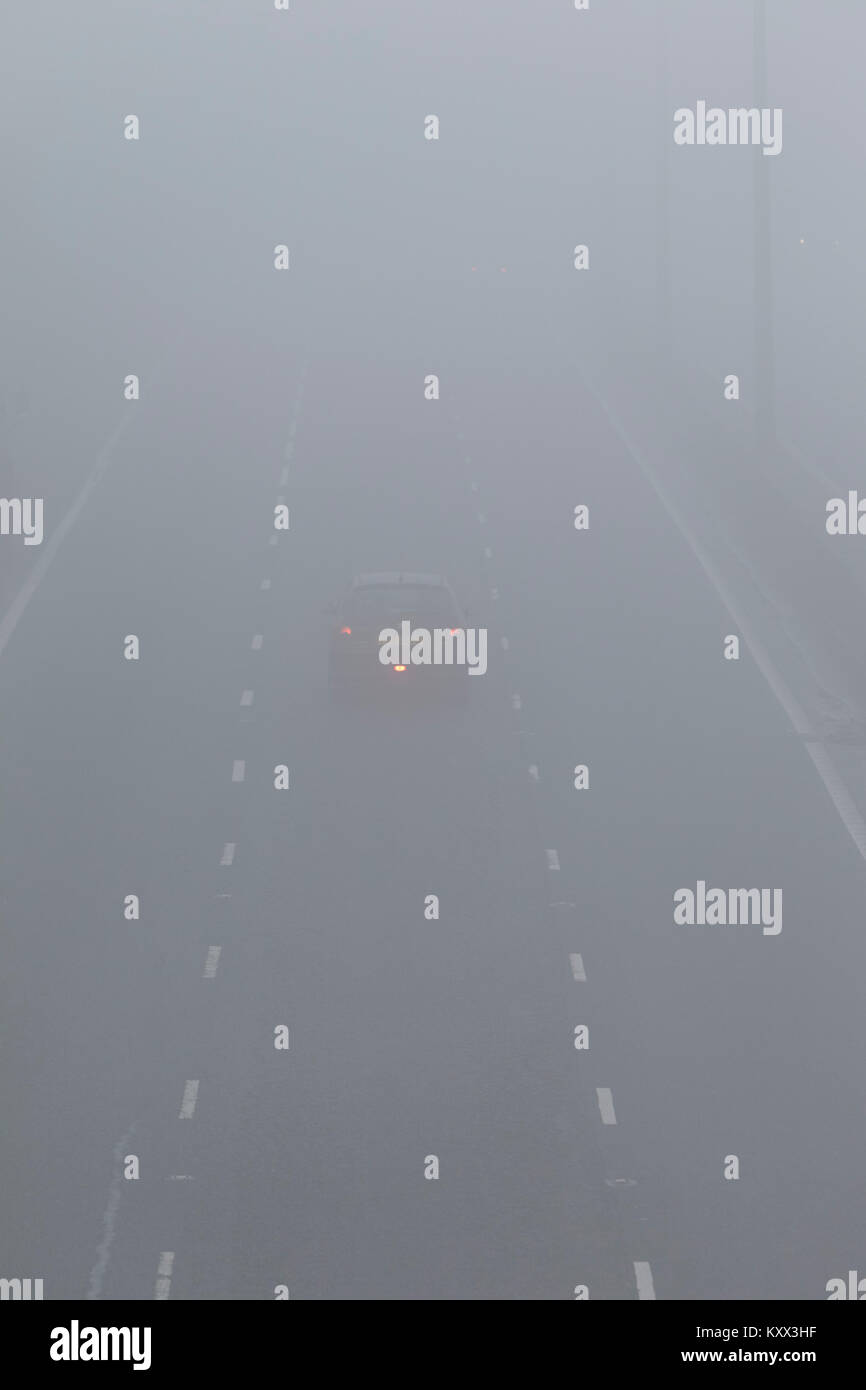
764, 344
662, 210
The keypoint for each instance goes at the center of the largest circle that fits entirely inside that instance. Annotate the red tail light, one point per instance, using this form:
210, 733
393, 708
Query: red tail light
345, 632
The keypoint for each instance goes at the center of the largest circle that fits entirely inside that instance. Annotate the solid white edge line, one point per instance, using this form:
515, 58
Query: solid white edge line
15, 612
844, 803
109, 1220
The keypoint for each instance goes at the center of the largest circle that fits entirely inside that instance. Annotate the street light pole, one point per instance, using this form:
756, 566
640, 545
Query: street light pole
663, 224
764, 343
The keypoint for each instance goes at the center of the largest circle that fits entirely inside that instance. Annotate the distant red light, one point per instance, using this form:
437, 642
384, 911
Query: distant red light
345, 632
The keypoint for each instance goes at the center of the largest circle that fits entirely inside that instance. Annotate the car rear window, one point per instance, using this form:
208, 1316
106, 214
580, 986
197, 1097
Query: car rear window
402, 601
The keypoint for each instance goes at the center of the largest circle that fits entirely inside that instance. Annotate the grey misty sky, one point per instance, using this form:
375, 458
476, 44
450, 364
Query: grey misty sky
259, 127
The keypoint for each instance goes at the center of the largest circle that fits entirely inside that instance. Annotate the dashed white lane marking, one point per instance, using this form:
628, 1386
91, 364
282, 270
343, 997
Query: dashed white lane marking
289, 449
284, 477
190, 1096
257, 642
516, 702
533, 771
228, 854
488, 553
266, 583
605, 1105
213, 960
163, 1275
109, 1220
239, 769
247, 697
644, 1277
552, 860
473, 485
577, 969
482, 519
504, 643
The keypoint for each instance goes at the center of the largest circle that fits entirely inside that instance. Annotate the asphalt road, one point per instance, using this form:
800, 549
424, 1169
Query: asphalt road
408, 1037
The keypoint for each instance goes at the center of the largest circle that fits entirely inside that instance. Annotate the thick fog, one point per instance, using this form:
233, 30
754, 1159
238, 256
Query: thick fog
353, 990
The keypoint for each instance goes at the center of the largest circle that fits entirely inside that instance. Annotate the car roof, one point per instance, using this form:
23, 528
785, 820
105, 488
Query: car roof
397, 577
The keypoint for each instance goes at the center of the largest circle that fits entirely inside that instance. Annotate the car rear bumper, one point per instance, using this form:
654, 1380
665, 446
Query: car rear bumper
347, 672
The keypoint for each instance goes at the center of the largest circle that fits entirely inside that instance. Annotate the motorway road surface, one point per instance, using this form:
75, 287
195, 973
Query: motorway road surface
409, 1037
